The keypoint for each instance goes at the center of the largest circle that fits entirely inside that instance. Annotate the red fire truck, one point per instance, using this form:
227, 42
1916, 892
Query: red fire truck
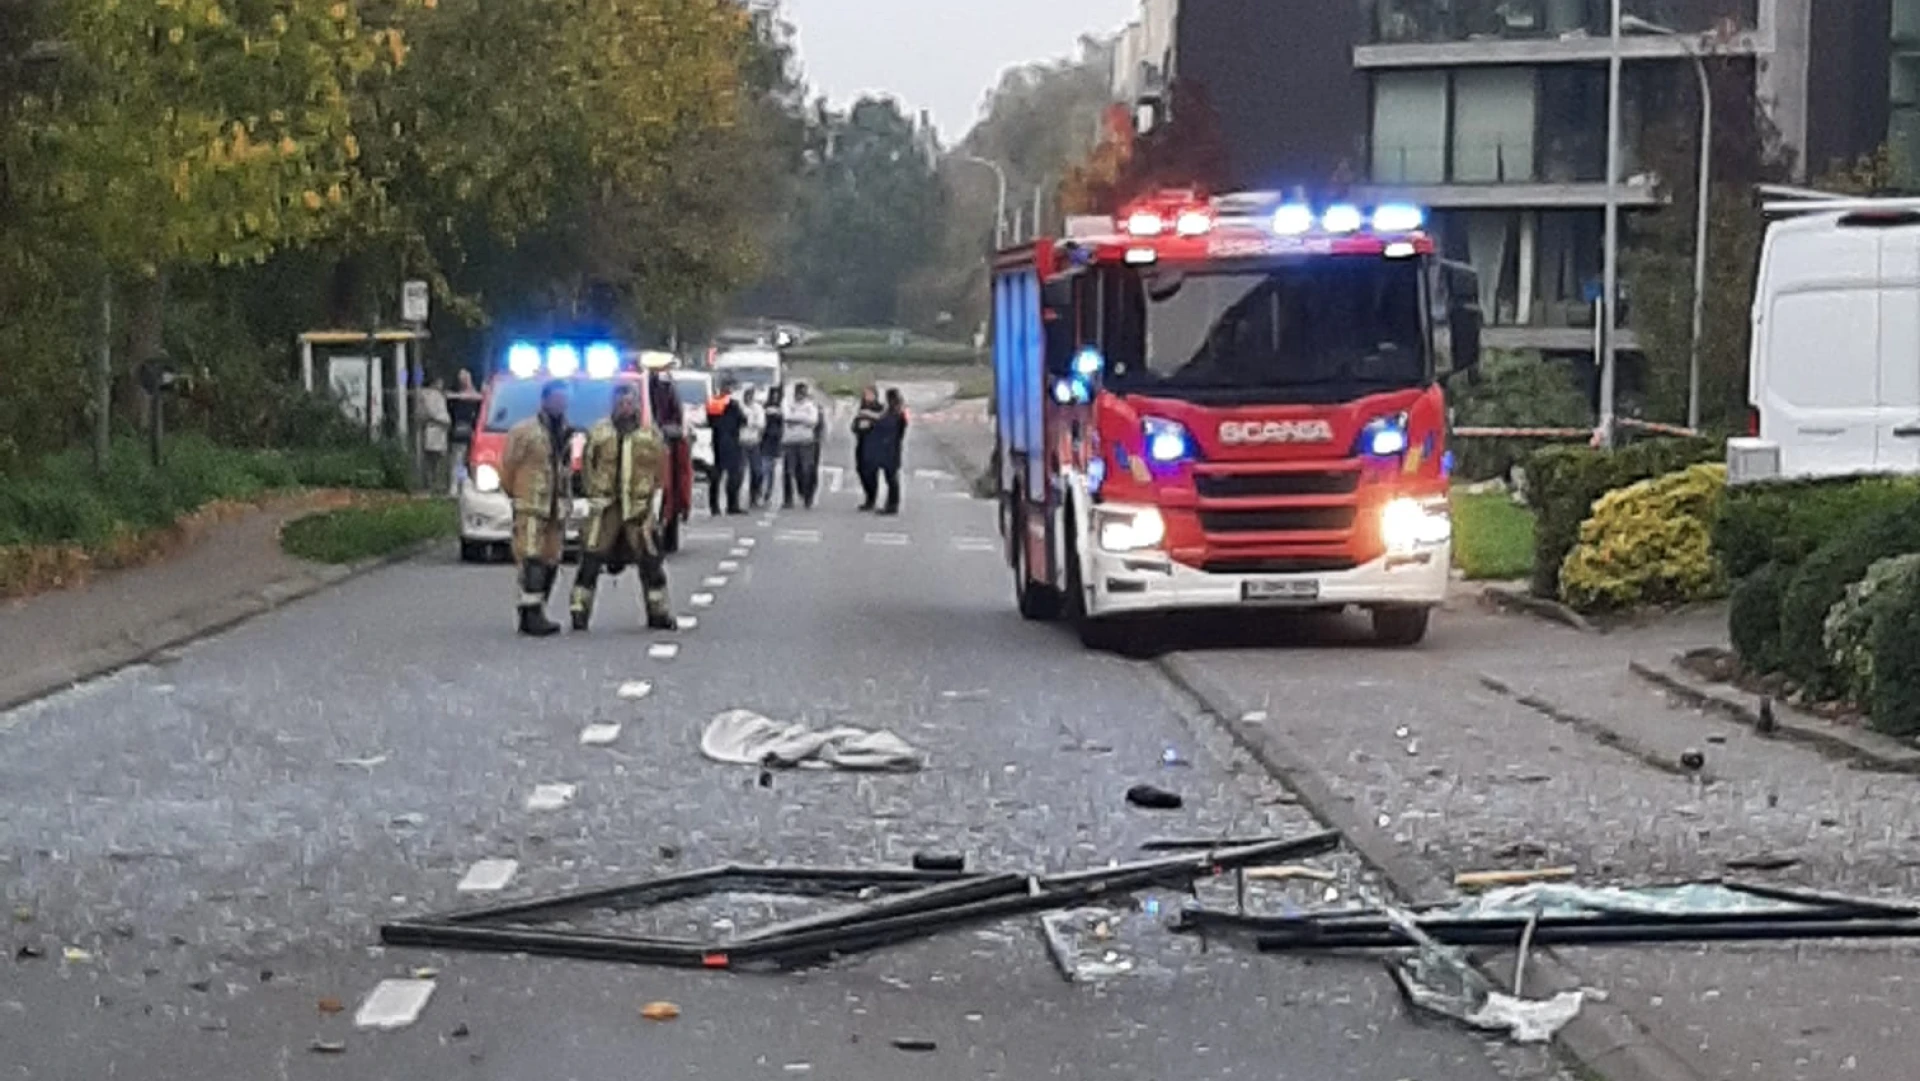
1229, 403
512, 394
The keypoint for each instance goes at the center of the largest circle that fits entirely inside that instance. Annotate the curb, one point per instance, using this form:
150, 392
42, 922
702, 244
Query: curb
1520, 600
1871, 749
1602, 1038
142, 644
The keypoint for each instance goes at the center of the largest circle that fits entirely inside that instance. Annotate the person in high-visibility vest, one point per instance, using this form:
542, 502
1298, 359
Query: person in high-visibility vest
621, 468
727, 421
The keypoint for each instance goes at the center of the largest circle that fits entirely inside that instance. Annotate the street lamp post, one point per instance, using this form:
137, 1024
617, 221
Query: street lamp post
1000, 213
1703, 201
1610, 285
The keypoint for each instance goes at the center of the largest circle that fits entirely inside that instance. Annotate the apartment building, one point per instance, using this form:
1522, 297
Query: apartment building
1494, 113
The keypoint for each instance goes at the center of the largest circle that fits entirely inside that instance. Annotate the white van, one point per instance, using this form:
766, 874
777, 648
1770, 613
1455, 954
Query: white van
760, 368
1835, 373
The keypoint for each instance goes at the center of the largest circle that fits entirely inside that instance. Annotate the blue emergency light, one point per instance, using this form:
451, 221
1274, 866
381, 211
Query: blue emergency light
523, 360
603, 361
563, 360
1298, 219
1385, 437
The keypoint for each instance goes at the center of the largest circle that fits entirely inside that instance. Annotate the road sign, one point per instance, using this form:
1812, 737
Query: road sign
413, 302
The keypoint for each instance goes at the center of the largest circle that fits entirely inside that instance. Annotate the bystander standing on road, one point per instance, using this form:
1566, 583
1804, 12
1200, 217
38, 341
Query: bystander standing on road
888, 444
773, 426
800, 447
751, 434
464, 406
864, 461
436, 432
727, 421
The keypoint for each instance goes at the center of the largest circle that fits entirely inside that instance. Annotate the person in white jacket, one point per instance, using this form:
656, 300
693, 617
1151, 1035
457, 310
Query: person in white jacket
751, 436
800, 448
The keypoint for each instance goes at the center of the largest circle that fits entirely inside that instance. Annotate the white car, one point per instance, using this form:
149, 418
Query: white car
693, 390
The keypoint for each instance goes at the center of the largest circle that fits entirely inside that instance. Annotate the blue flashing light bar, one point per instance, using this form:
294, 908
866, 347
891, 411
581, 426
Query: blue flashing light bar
1342, 219
523, 360
563, 360
603, 361
1389, 219
1293, 220
1398, 218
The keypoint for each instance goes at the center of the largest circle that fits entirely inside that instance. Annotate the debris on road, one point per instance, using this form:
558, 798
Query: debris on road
328, 1047
1150, 798
1761, 863
550, 797
939, 861
330, 1006
907, 1043
75, 955
743, 737
660, 1011
1078, 940
905, 906
1288, 873
394, 1004
366, 763
29, 953
1483, 880
1316, 844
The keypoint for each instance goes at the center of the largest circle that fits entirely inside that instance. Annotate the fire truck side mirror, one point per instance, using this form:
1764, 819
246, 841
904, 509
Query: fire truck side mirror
1464, 316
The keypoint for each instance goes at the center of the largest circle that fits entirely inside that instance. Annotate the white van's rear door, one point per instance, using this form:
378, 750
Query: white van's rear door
1897, 427
1817, 380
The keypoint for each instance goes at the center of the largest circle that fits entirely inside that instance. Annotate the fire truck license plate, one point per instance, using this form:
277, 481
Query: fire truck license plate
1293, 589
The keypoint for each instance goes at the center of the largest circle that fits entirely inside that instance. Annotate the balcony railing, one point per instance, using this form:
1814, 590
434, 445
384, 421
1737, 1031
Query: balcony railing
1407, 22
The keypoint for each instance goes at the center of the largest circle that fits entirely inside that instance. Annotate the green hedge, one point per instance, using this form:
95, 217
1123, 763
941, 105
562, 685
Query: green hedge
1753, 617
1786, 521
356, 533
1894, 645
1564, 482
65, 501
1822, 581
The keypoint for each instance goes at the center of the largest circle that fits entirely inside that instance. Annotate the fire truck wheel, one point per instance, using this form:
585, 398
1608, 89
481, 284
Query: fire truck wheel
1400, 626
1038, 603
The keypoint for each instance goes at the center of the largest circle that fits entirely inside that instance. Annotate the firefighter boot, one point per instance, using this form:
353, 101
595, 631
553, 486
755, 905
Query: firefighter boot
585, 583
536, 584
660, 615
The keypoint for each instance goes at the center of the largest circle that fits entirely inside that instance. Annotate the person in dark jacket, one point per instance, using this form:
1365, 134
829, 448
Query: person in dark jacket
726, 420
770, 436
864, 461
888, 442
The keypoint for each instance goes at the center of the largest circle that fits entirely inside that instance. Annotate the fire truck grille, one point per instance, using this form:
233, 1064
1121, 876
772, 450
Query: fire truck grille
1254, 485
1279, 520
1281, 565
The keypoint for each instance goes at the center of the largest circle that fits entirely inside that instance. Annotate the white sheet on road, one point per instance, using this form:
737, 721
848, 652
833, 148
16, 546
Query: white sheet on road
743, 737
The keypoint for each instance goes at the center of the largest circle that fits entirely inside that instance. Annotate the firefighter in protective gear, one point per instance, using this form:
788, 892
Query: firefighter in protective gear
622, 469
534, 473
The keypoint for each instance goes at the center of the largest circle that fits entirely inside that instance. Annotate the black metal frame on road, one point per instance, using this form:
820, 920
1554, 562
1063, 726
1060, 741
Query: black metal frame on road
1824, 916
914, 904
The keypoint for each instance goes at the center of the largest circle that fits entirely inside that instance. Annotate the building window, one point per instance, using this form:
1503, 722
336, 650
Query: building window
1410, 127
1493, 125
1903, 121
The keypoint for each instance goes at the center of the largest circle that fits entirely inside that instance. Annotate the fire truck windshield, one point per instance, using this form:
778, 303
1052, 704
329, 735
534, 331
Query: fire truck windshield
1320, 330
590, 402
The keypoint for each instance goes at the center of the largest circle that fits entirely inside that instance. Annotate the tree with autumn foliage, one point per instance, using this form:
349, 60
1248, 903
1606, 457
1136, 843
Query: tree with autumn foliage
1188, 151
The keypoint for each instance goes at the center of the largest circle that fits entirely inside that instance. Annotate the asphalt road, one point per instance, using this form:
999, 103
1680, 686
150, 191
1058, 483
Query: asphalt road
221, 833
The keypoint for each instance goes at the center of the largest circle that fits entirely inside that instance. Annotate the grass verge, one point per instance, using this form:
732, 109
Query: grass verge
913, 351
368, 531
847, 380
1492, 536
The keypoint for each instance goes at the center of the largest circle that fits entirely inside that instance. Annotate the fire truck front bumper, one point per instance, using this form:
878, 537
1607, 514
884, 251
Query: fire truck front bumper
1141, 582
487, 517
1131, 572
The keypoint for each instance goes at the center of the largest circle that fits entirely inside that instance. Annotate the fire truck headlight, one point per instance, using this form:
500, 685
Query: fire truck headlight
1146, 223
1409, 525
563, 361
523, 360
603, 361
1129, 529
1167, 441
486, 479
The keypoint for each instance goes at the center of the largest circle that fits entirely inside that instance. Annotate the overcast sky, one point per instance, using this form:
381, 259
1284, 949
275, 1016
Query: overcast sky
942, 55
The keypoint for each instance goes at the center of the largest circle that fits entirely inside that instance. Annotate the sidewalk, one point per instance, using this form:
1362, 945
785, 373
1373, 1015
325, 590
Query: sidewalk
231, 572
1512, 743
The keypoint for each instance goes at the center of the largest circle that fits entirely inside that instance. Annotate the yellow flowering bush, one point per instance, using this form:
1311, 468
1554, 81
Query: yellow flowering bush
1650, 543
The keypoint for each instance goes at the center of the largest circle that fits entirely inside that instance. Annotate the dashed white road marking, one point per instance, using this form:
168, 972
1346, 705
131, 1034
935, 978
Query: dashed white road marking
688, 623
702, 600
976, 544
635, 690
739, 553
748, 542
663, 651
714, 581
799, 536
889, 540
956, 495
599, 735
551, 797
932, 474
710, 535
486, 876
835, 476
765, 523
394, 1004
